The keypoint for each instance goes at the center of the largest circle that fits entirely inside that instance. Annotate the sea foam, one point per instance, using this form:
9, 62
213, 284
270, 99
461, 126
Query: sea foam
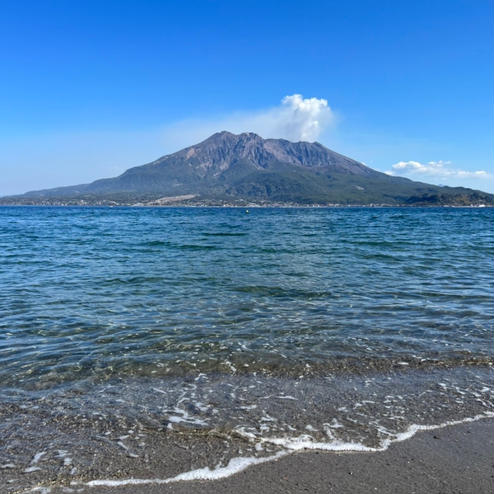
289, 445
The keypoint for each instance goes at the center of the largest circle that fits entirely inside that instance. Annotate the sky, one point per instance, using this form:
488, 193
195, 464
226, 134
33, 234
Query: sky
91, 88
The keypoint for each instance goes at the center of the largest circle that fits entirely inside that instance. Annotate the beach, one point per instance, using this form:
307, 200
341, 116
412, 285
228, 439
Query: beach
452, 459
270, 352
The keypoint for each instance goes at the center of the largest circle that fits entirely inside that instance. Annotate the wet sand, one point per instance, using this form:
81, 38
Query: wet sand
454, 459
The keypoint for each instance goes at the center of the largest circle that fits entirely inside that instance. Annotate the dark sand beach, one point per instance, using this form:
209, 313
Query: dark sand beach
454, 459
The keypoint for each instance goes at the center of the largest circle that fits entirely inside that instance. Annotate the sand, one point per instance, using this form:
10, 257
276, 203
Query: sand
454, 459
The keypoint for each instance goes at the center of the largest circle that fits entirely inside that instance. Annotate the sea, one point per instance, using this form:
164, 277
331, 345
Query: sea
155, 345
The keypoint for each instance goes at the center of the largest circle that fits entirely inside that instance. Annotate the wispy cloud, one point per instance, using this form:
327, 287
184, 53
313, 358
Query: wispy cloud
296, 118
435, 169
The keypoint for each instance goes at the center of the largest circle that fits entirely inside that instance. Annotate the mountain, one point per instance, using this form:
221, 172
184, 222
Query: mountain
238, 169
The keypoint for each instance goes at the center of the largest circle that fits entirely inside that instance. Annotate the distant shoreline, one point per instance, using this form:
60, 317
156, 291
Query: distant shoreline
254, 206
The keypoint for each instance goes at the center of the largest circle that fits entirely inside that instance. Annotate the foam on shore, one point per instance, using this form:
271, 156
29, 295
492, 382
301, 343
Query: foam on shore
236, 465
302, 442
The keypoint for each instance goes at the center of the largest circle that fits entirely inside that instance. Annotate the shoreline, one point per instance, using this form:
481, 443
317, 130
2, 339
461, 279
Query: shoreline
452, 459
256, 206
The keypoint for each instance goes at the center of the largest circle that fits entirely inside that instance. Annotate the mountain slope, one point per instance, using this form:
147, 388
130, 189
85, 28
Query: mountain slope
245, 167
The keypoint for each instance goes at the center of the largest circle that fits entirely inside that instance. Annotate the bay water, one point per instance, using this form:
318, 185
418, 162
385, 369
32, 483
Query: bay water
153, 343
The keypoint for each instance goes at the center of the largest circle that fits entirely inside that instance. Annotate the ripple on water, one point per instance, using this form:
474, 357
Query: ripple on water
205, 335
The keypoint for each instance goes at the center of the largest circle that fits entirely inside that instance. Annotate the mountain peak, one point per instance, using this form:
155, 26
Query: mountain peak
222, 149
229, 167
226, 135
222, 133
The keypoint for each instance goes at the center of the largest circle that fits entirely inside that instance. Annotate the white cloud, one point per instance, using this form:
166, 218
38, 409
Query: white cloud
301, 119
296, 119
435, 169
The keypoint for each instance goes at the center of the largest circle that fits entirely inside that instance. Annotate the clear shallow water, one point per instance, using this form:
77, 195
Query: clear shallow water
241, 334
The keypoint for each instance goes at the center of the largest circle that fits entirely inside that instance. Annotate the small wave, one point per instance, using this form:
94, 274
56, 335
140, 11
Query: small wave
156, 243
197, 247
235, 465
132, 280
278, 291
303, 443
238, 464
224, 234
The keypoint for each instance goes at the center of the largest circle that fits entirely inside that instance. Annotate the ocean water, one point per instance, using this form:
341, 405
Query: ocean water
168, 343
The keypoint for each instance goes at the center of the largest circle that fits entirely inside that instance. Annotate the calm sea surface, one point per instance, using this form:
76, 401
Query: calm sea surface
125, 331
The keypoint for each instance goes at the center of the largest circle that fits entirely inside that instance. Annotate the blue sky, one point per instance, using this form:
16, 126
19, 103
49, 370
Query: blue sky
88, 89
